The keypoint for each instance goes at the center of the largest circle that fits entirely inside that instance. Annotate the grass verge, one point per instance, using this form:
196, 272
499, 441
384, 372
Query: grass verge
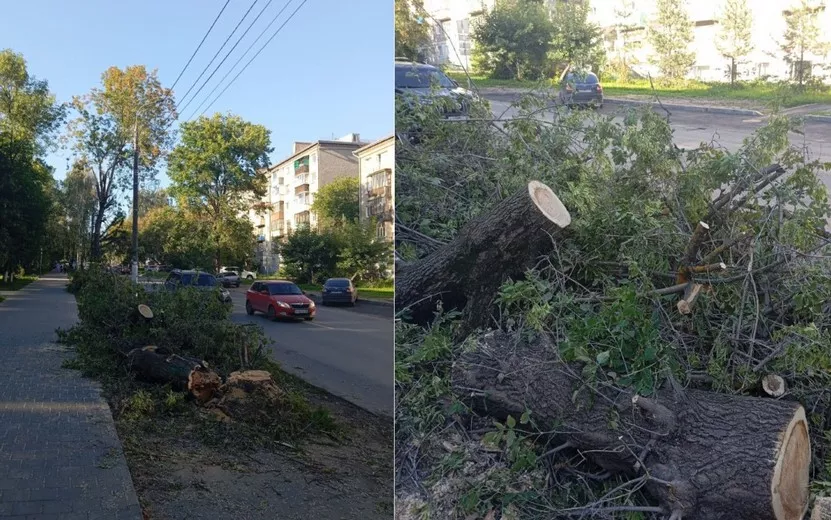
757, 91
18, 283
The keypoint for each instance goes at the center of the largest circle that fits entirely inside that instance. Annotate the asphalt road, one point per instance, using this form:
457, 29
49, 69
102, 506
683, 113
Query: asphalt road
693, 128
346, 351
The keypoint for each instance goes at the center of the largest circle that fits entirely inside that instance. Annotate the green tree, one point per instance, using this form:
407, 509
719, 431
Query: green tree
29, 118
76, 197
103, 132
150, 199
412, 34
671, 35
216, 169
619, 39
802, 36
577, 43
310, 255
362, 256
735, 37
338, 202
513, 40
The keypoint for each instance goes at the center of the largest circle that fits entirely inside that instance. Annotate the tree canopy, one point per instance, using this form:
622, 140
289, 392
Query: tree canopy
412, 33
735, 36
671, 35
338, 202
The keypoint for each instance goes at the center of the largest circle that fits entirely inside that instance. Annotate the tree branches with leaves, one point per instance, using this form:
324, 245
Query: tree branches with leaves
412, 34
577, 42
128, 101
217, 170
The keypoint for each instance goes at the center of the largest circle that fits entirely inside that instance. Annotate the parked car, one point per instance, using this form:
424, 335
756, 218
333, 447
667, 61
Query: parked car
248, 275
426, 84
228, 279
200, 280
581, 88
339, 290
279, 299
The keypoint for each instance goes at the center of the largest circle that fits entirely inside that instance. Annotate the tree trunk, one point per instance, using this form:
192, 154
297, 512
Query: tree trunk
158, 365
98, 221
732, 72
704, 455
467, 272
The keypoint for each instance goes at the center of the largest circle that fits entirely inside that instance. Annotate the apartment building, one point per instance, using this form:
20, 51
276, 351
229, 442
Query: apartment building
292, 186
376, 167
626, 25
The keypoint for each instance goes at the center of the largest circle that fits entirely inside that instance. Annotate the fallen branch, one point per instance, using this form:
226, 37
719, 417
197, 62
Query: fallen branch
159, 365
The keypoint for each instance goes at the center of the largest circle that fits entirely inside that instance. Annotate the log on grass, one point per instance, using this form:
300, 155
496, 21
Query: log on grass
159, 365
467, 272
704, 455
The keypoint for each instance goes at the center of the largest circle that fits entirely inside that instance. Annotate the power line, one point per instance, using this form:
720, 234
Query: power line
211, 93
217, 52
200, 43
255, 56
228, 54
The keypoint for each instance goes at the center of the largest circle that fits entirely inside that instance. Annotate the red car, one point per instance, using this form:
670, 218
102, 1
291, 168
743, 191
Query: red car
279, 299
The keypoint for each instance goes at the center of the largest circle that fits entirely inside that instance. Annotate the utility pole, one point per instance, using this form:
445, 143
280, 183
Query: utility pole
135, 200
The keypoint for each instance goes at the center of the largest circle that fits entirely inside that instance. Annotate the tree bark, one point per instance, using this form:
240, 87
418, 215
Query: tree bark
467, 272
705, 455
158, 365
822, 509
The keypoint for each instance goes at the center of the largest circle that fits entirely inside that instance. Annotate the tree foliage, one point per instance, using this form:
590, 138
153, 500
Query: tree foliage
128, 101
338, 203
29, 117
310, 255
803, 37
577, 42
412, 34
217, 169
671, 34
735, 34
513, 40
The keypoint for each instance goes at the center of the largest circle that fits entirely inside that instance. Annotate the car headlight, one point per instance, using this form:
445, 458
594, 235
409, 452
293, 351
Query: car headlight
284, 305
311, 305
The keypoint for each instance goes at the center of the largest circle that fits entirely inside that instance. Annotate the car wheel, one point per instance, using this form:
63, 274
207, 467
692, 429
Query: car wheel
248, 308
237, 285
352, 303
272, 313
249, 277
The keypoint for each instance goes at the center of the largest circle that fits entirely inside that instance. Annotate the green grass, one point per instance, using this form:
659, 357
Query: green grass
371, 293
1, 299
760, 92
18, 283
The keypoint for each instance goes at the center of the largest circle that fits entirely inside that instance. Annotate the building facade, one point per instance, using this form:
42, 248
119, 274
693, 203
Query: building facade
626, 26
376, 167
292, 186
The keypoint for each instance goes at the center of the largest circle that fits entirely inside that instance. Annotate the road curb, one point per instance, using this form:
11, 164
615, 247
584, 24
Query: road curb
816, 118
686, 108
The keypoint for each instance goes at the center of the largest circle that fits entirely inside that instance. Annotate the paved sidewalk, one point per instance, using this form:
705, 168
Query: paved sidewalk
60, 456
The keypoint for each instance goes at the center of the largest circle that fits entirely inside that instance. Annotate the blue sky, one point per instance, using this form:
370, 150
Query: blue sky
326, 74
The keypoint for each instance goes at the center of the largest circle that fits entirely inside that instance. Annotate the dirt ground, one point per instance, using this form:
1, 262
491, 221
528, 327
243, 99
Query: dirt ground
179, 477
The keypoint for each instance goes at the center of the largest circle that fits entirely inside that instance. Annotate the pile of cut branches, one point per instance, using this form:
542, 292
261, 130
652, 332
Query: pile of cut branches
595, 323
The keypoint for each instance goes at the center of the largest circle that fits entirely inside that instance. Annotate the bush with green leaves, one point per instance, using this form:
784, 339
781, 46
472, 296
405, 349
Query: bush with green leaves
635, 199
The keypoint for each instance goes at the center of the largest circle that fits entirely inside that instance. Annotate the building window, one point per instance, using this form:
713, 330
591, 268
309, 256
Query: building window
381, 231
280, 180
463, 28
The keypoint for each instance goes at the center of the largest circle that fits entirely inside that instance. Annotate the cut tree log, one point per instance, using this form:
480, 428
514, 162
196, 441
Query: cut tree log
774, 385
467, 272
703, 455
159, 365
822, 509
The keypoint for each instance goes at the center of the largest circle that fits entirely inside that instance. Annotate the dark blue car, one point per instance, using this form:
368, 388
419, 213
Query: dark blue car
339, 290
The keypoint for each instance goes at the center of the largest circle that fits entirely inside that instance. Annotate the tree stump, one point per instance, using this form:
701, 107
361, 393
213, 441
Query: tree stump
159, 365
822, 509
467, 272
708, 456
250, 396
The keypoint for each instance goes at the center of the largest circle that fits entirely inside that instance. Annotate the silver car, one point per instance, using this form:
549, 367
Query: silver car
229, 279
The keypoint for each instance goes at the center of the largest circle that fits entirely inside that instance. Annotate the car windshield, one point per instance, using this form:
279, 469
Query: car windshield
420, 77
586, 79
203, 280
283, 289
337, 283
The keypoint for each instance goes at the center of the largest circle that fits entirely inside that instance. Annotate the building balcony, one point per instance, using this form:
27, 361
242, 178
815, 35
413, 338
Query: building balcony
303, 188
379, 192
301, 169
304, 218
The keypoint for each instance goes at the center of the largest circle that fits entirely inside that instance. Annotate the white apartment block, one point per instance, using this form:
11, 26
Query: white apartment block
453, 20
292, 186
376, 166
